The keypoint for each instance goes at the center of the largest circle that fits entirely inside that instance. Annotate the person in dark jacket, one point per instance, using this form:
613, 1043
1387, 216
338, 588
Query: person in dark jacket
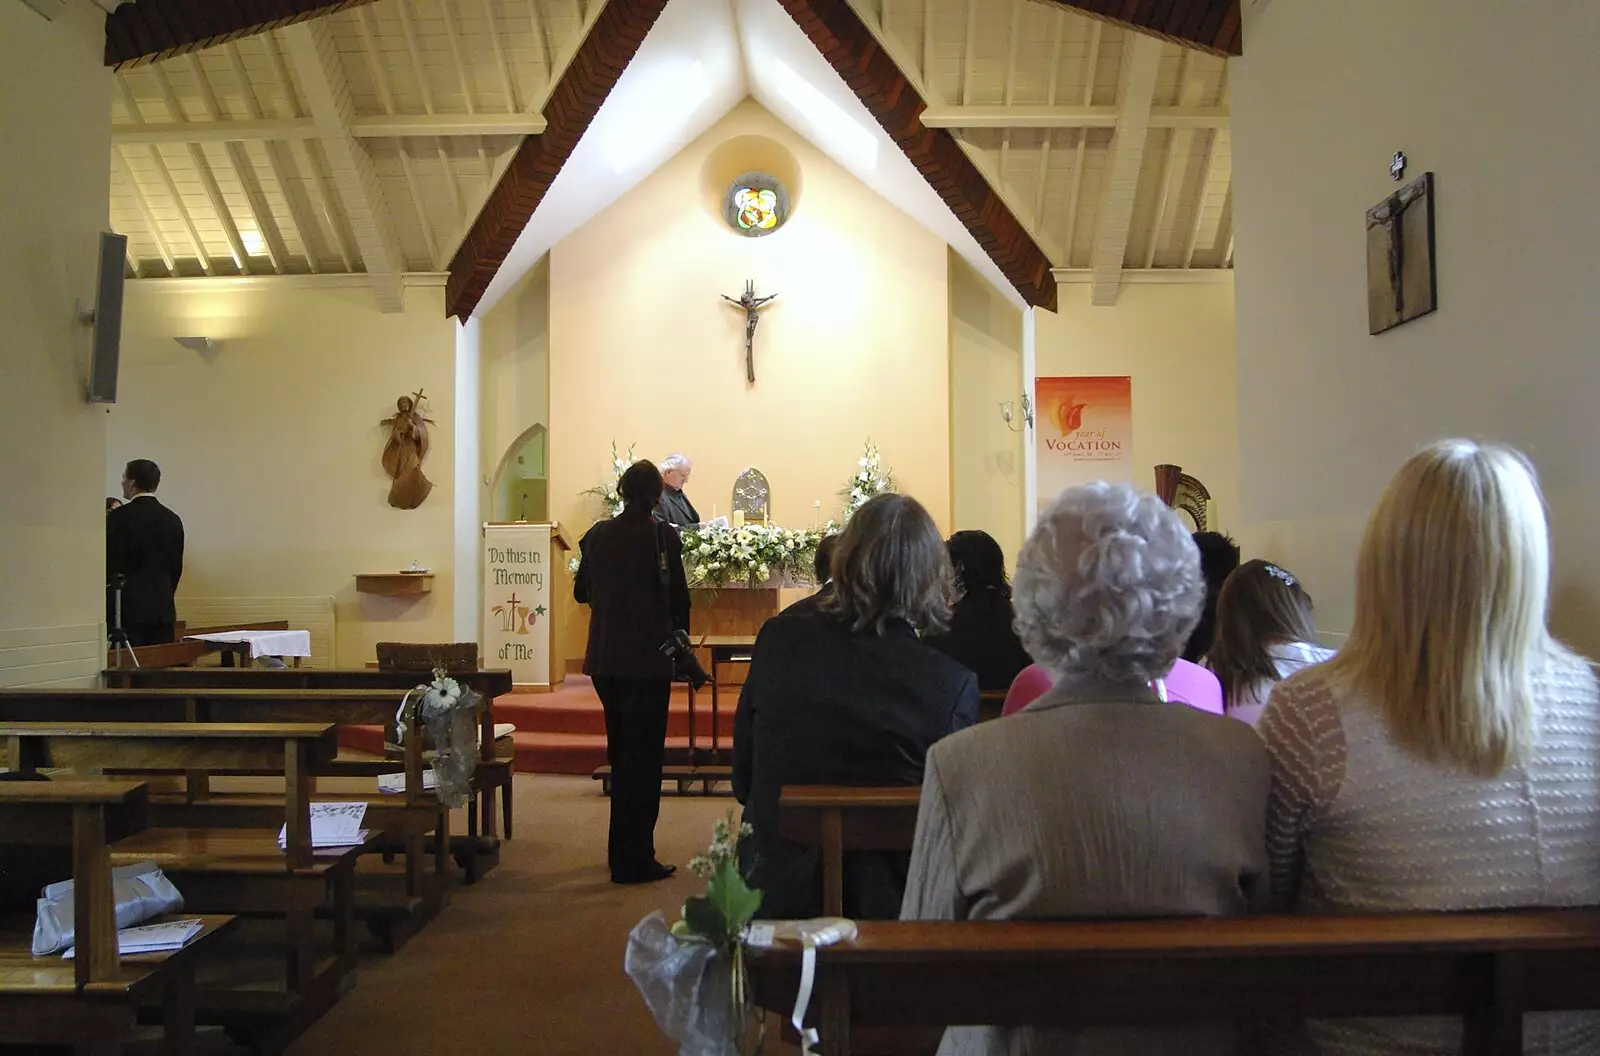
675, 507
980, 637
847, 694
144, 544
631, 577
1219, 556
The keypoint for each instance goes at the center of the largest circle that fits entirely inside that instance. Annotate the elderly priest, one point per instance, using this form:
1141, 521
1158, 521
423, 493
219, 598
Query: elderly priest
675, 507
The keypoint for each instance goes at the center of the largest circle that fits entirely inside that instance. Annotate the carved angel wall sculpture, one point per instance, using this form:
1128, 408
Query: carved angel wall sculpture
404, 451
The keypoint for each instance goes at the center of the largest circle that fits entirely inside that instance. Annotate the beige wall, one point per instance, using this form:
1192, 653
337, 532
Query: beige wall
986, 463
55, 99
269, 444
515, 375
644, 351
1177, 344
1499, 104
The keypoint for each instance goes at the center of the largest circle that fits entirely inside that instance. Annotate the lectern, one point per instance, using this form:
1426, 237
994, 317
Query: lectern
527, 596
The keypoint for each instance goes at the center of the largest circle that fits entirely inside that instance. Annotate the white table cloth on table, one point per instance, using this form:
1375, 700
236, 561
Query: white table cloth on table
262, 643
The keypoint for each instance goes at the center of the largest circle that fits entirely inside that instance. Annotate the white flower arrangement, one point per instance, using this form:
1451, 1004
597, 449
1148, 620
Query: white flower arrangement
870, 479
714, 556
607, 491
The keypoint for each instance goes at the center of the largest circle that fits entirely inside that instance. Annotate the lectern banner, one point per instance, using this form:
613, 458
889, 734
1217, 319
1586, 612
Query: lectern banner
516, 601
1084, 433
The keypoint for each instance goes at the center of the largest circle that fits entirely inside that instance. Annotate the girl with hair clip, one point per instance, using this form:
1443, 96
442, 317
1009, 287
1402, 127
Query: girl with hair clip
1263, 635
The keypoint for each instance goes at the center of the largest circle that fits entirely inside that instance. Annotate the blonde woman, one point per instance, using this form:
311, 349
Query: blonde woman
1448, 758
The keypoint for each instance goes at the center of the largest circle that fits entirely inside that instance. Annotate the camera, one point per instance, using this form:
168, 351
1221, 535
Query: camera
685, 665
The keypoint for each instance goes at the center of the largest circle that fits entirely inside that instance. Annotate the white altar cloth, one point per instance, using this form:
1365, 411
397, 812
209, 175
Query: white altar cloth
262, 643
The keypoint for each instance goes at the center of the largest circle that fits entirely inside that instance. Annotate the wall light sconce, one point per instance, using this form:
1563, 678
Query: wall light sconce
197, 344
1008, 411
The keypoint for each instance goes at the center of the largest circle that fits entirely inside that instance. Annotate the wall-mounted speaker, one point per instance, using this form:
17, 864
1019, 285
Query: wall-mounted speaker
107, 319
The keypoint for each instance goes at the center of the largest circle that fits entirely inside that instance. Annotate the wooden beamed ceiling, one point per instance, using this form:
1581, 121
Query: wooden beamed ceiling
851, 49
143, 31
1212, 26
589, 78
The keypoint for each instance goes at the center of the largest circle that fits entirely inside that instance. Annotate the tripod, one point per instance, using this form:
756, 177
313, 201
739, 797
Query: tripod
117, 636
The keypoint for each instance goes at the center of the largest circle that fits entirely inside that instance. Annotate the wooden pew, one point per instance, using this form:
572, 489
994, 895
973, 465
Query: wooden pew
405, 820
493, 773
839, 819
91, 1001
990, 703
1490, 968
233, 870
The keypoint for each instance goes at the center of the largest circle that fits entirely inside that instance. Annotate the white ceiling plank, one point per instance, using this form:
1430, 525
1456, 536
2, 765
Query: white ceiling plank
375, 66
1092, 59
447, 9
1050, 116
1058, 32
322, 200
1149, 276
1169, 168
422, 209
541, 43
315, 59
966, 54
1200, 200
450, 181
410, 33
119, 165
1141, 62
498, 45
266, 222
197, 156
386, 126
171, 187
927, 44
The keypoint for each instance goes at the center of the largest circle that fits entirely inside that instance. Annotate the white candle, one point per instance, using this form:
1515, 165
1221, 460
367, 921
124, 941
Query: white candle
738, 518
816, 513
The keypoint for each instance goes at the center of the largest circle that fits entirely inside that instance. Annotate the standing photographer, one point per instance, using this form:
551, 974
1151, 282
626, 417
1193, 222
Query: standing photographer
631, 577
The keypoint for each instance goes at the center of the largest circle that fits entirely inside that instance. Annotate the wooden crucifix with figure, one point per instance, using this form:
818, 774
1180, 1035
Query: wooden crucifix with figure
1401, 276
752, 305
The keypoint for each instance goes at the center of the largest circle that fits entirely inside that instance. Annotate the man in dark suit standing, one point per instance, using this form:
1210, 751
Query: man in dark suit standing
144, 543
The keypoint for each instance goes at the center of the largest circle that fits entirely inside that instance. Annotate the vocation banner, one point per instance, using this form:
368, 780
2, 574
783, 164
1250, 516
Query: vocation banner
516, 601
1084, 433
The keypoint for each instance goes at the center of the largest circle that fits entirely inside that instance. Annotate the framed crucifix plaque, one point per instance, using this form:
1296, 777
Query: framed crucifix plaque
1401, 277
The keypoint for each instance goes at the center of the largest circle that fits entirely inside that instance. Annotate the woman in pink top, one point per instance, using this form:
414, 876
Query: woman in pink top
1186, 683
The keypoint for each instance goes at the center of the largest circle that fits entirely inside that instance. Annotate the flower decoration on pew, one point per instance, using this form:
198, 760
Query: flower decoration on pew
753, 555
871, 479
692, 975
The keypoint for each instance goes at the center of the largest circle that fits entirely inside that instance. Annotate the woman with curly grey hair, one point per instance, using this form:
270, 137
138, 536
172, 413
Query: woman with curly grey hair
1097, 800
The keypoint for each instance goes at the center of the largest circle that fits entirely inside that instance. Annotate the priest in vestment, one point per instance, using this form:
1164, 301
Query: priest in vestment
675, 507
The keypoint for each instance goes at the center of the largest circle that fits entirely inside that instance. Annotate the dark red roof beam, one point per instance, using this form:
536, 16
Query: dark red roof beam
851, 49
148, 30
1210, 25
595, 69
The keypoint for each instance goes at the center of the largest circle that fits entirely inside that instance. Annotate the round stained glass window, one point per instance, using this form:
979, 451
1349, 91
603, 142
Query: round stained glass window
756, 204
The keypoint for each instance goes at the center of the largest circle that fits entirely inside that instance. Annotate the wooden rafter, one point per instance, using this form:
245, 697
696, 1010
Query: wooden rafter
849, 46
148, 30
1212, 26
610, 45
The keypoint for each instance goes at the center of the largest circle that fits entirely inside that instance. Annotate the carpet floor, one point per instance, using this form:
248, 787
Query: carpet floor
529, 960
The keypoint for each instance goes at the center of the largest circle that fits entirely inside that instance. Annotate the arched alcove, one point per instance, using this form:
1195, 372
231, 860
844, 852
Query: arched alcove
520, 488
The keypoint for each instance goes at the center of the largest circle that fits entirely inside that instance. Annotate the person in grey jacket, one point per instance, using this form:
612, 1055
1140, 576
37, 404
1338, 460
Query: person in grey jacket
1097, 800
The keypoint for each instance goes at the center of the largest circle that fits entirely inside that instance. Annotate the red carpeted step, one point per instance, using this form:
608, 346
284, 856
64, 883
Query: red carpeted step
531, 712
568, 753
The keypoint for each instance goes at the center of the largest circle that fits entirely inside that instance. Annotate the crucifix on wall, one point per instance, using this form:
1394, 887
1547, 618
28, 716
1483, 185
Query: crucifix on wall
1400, 264
752, 305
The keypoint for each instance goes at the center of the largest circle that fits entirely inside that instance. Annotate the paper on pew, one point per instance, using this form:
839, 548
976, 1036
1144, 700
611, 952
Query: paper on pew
394, 784
153, 938
333, 825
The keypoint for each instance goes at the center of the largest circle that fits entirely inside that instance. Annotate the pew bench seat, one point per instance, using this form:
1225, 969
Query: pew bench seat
40, 1001
1489, 968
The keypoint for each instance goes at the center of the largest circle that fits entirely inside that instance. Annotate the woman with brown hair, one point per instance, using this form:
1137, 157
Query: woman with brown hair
846, 693
1263, 635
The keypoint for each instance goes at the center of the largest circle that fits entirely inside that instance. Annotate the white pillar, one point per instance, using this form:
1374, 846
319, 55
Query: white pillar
1030, 459
468, 505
